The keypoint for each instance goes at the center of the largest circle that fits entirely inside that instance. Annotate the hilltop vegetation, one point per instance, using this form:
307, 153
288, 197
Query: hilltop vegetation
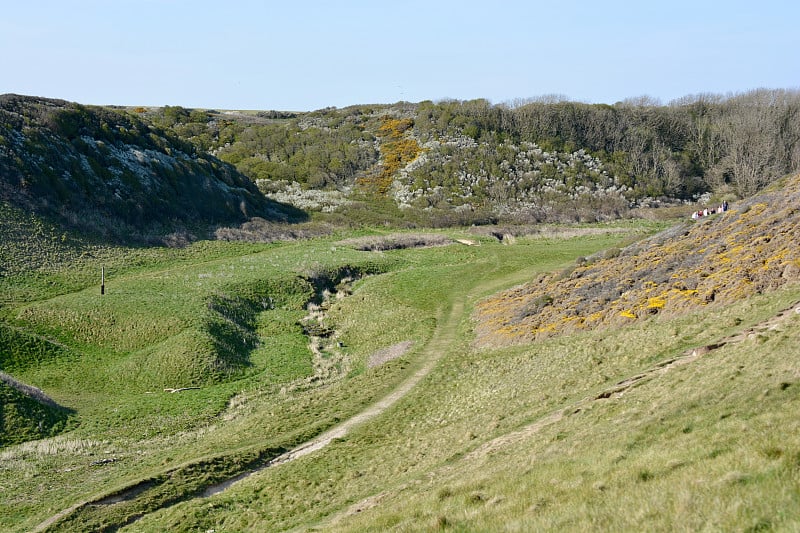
425, 164
537, 160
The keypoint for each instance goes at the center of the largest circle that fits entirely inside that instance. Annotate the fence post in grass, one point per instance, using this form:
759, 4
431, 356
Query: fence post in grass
102, 280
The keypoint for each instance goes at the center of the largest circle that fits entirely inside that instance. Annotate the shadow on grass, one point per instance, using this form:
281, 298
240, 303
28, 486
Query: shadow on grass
27, 413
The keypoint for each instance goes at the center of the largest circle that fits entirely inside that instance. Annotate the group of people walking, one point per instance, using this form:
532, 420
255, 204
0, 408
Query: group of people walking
721, 208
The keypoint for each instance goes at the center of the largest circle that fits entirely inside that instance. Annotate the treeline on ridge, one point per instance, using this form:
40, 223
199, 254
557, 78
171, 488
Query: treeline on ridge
528, 156
118, 169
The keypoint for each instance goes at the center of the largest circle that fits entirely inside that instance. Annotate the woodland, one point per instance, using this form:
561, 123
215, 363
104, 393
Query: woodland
432, 164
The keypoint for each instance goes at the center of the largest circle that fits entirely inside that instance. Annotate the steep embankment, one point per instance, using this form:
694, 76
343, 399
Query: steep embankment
26, 413
108, 171
719, 259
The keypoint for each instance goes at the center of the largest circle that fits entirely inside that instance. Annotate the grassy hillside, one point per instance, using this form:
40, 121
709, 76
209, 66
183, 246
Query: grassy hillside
627, 429
111, 173
679, 421
596, 432
26, 413
721, 259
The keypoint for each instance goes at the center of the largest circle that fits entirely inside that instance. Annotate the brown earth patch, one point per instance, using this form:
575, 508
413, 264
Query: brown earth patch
387, 354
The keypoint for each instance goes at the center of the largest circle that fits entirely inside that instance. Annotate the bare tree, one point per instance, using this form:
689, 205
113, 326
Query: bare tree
754, 155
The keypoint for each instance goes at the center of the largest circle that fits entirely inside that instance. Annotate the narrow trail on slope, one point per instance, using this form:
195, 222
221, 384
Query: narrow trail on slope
433, 350
621, 387
444, 336
613, 392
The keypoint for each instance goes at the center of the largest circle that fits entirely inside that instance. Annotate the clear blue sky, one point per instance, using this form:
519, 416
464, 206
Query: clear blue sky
302, 55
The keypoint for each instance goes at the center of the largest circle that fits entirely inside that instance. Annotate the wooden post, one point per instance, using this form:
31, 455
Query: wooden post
102, 280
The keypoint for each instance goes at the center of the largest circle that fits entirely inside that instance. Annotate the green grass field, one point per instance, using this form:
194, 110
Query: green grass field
524, 439
521, 438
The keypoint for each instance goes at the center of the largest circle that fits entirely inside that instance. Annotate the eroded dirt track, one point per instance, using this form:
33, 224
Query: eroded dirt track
444, 336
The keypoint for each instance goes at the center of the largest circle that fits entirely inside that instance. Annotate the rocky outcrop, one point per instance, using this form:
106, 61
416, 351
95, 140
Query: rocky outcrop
110, 172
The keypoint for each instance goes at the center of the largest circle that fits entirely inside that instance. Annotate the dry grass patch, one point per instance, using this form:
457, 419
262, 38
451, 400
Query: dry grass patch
545, 231
388, 354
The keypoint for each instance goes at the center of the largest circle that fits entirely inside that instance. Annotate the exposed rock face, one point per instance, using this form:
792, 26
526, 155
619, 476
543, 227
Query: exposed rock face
720, 259
108, 171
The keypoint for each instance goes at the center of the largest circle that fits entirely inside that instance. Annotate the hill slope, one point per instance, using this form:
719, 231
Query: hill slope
110, 172
26, 413
612, 429
720, 259
620, 429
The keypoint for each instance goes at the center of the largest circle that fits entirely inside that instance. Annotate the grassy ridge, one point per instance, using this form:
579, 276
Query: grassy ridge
25, 414
186, 325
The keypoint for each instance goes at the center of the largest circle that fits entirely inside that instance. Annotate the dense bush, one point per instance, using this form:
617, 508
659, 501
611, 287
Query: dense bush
449, 162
